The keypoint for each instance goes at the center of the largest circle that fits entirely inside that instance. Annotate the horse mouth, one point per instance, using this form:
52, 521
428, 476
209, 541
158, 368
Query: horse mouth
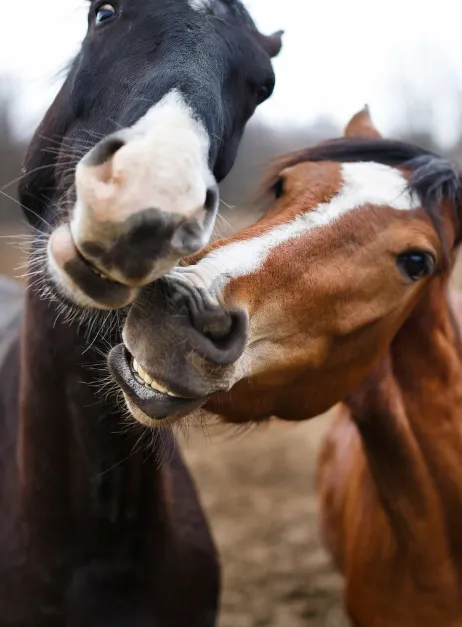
91, 266
80, 279
149, 400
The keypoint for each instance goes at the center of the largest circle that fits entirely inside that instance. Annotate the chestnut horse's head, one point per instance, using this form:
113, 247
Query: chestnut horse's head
125, 165
287, 317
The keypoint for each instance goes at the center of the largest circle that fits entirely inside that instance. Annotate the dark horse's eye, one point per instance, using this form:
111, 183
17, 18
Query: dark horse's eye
263, 92
416, 265
104, 13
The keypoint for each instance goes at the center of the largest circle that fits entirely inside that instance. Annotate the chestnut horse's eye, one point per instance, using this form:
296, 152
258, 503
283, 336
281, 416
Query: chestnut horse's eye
278, 188
104, 12
416, 265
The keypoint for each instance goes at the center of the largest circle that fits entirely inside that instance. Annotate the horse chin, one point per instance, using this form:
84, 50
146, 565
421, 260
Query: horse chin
151, 403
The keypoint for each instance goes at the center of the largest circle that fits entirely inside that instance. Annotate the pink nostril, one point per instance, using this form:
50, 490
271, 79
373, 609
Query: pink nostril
96, 167
103, 151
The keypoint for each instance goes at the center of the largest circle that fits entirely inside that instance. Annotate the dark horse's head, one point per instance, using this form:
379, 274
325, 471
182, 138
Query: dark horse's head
125, 165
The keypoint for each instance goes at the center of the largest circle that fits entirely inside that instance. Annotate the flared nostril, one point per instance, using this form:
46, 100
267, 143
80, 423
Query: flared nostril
222, 333
216, 325
211, 199
188, 238
103, 151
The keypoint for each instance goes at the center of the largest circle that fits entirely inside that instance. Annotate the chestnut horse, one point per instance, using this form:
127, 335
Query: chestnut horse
337, 296
120, 181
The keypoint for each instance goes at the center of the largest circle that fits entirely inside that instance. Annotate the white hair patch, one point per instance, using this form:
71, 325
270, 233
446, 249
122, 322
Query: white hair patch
200, 5
362, 184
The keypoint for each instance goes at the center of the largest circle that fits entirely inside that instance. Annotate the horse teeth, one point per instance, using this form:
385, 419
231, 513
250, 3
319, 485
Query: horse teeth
145, 379
144, 375
158, 387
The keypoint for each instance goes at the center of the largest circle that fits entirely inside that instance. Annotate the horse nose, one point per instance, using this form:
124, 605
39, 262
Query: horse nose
219, 334
102, 153
131, 220
188, 237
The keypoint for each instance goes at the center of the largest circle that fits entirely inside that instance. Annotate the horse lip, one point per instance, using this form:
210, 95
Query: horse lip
72, 268
99, 289
154, 404
91, 266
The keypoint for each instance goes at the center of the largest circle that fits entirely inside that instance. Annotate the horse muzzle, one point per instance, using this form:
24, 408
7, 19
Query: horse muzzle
178, 351
132, 221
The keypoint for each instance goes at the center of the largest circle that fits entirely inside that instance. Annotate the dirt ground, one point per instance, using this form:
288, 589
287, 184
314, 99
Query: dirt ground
258, 491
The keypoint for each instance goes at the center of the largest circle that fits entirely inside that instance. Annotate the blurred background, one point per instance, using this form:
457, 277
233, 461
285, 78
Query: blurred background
404, 59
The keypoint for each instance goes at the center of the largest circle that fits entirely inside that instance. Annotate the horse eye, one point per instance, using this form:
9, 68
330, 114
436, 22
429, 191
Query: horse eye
104, 13
263, 92
416, 265
278, 188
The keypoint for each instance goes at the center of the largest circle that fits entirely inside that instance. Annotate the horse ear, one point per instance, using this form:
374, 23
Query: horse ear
272, 44
361, 125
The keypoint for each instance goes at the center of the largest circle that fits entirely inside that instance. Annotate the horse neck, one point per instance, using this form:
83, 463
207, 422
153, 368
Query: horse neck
75, 463
427, 362
409, 414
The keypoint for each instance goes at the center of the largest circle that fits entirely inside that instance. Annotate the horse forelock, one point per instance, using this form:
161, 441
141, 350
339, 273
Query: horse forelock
431, 177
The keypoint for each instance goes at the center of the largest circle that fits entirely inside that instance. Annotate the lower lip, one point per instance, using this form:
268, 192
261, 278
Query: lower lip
103, 292
155, 405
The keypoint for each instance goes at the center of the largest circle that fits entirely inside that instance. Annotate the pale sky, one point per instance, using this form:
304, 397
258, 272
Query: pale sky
337, 56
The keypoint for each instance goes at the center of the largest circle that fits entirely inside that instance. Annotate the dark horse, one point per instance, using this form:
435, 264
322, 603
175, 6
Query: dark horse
95, 530
167, 87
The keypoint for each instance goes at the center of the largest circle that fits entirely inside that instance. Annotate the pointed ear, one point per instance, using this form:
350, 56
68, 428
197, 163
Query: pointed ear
272, 44
361, 125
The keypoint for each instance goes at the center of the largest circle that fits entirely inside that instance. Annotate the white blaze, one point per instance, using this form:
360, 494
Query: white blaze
362, 184
200, 5
163, 164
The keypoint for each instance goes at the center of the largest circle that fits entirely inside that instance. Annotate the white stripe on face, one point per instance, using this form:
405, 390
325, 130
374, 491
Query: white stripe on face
163, 163
363, 184
199, 5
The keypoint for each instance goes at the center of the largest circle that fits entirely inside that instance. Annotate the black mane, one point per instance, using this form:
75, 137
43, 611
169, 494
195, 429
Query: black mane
432, 177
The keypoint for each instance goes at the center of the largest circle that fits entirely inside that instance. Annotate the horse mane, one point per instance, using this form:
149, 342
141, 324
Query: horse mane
432, 177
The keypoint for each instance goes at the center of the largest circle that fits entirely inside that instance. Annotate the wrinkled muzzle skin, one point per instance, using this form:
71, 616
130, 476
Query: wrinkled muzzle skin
126, 162
188, 339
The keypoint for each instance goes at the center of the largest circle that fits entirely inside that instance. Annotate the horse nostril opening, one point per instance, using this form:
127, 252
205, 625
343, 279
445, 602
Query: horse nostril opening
104, 150
211, 199
224, 334
188, 238
218, 330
